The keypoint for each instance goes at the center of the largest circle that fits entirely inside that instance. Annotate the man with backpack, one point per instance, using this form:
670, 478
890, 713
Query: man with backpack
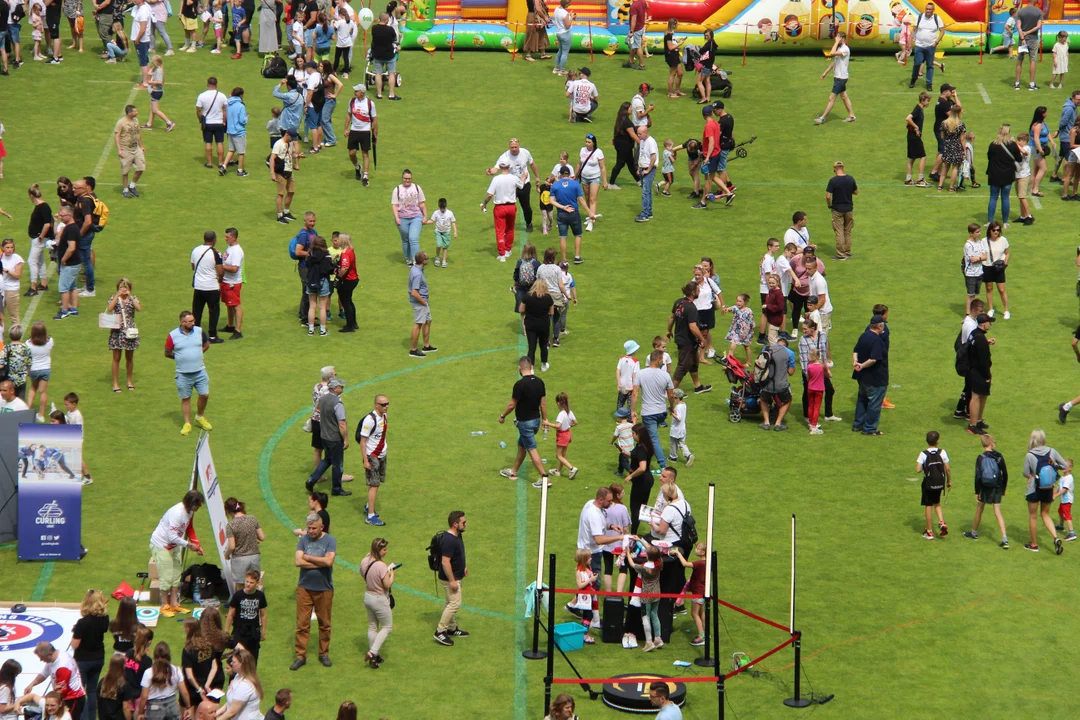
978, 374
84, 217
446, 556
991, 479
961, 346
371, 437
933, 463
682, 327
771, 371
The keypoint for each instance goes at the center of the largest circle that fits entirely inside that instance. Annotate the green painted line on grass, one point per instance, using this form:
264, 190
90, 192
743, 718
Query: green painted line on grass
521, 524
8, 545
268, 492
42, 582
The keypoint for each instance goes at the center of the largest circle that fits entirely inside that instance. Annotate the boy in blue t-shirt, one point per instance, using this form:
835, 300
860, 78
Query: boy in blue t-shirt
240, 25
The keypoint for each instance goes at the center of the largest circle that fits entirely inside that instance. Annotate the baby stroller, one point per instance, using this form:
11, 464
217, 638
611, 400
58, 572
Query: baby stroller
745, 394
369, 75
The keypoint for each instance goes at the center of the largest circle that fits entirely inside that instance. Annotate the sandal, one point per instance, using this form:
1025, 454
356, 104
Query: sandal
130, 387
589, 640
1038, 194
702, 102
116, 389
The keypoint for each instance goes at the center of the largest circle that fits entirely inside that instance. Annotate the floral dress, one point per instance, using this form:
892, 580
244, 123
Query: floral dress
953, 145
17, 359
742, 326
118, 340
71, 8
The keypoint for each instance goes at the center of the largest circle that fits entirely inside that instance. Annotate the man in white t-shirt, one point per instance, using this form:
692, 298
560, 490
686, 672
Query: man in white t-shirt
142, 29
9, 401
373, 436
583, 97
232, 281
62, 670
819, 287
840, 55
520, 161
798, 233
167, 544
648, 155
207, 272
639, 111
593, 530
210, 111
928, 33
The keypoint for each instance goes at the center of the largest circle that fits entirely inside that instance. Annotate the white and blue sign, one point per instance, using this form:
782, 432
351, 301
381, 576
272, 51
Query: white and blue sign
50, 494
23, 632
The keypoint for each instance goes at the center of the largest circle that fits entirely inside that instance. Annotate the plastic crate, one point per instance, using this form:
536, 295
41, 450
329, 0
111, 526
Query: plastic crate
570, 636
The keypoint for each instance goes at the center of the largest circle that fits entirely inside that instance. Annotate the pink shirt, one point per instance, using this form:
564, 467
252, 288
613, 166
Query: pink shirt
815, 375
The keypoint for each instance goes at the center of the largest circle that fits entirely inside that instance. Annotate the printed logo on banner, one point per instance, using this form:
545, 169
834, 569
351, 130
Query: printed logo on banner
51, 514
23, 632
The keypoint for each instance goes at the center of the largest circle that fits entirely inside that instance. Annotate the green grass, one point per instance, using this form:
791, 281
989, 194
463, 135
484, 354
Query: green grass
894, 626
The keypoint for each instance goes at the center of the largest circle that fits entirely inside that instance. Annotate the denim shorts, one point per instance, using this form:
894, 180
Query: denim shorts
15, 33
41, 374
313, 118
839, 86
186, 381
589, 181
721, 163
527, 433
3, 36
69, 275
635, 40
381, 66
568, 222
143, 51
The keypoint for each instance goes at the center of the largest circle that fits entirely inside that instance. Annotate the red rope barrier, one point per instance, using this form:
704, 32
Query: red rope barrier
625, 679
749, 614
756, 660
612, 593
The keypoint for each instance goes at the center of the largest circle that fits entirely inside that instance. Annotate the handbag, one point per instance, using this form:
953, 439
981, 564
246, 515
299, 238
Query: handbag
393, 603
307, 425
108, 321
129, 332
998, 264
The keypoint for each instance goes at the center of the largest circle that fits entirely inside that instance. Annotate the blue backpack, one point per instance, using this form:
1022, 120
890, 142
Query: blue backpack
1045, 472
292, 247
989, 471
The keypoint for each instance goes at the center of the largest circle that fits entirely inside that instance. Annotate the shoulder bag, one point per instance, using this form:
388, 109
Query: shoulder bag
389, 594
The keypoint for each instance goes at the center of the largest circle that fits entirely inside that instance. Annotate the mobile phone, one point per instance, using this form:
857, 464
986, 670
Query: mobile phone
395, 566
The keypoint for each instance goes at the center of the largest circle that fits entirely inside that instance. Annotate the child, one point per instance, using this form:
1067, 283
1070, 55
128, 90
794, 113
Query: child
571, 84
565, 420
37, 24
915, 148
623, 438
585, 602
618, 518
297, 38
696, 586
773, 309
241, 33
157, 90
649, 573
444, 222
273, 127
816, 372
41, 346
660, 343
571, 288
564, 162
117, 48
17, 357
934, 465
677, 433
546, 208
626, 371
742, 326
967, 166
219, 27
1023, 178
1065, 492
1007, 35
74, 417
324, 37
991, 481
765, 268
189, 20
1061, 60
246, 620
236, 118
668, 169
904, 39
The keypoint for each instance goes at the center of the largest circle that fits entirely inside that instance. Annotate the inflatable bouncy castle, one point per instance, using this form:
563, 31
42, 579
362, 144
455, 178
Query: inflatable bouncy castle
754, 26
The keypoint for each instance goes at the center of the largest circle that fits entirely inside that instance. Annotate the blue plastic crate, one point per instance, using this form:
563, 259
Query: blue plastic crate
570, 636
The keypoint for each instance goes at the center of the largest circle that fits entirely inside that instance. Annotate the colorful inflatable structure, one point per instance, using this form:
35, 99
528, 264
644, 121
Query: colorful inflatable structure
739, 25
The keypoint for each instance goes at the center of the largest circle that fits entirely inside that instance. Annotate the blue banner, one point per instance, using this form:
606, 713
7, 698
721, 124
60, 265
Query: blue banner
50, 492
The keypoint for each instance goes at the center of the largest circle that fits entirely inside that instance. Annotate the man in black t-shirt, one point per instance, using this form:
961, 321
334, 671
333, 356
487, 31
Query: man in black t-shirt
103, 14
452, 570
383, 55
682, 326
84, 218
839, 196
246, 620
67, 258
530, 414
944, 104
311, 18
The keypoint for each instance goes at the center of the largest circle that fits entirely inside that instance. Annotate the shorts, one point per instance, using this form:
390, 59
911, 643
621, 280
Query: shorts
15, 33
915, 147
189, 23
669, 178
782, 397
1065, 511
132, 159
156, 95
143, 51
313, 118
972, 284
1022, 186
930, 497
230, 294
990, 496
69, 275
421, 314
286, 185
52, 21
634, 40
316, 436
1063, 151
322, 290
839, 86
993, 275
168, 566
688, 361
589, 181
977, 385
360, 140
238, 144
1032, 42
706, 319
697, 601
826, 321
568, 222
712, 165
940, 146
381, 66
243, 564
213, 133
3, 37
442, 239
721, 164
562, 438
309, 37
376, 474
527, 433
41, 374
200, 381
1041, 495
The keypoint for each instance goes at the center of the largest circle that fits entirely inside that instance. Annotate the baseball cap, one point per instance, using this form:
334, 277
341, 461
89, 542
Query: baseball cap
585, 71
564, 170
630, 347
718, 105
311, 64
838, 163
504, 164
813, 299
706, 111
335, 383
622, 412
946, 87
984, 318
877, 320
645, 87
359, 87
680, 393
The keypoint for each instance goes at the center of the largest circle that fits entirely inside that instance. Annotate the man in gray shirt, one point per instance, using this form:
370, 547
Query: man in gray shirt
777, 389
315, 552
657, 393
418, 299
335, 437
1029, 20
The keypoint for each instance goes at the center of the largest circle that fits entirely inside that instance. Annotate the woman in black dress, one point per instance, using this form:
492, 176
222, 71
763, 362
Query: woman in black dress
673, 58
624, 139
952, 150
640, 477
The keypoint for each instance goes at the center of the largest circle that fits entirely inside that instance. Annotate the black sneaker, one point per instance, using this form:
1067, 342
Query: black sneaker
458, 632
959, 415
228, 329
430, 349
359, 175
971, 535
1032, 548
578, 260
729, 198
762, 339
298, 663
935, 177
340, 493
281, 219
236, 336
528, 227
215, 341
1058, 547
975, 430
1062, 413
982, 425
911, 84
702, 389
221, 170
416, 354
700, 206
364, 180
442, 639
325, 660
288, 215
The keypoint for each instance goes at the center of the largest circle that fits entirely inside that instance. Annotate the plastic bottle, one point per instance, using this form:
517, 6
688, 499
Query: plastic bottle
196, 591
681, 663
502, 444
475, 433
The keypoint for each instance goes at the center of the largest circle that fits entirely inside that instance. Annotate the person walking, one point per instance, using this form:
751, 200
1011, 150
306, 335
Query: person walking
994, 264
1041, 466
378, 577
928, 33
1001, 159
528, 402
210, 112
130, 149
520, 161
978, 374
186, 345
1029, 21
167, 545
503, 189
537, 309
568, 198
418, 299
207, 272
623, 139
315, 554
839, 197
362, 130
334, 433
410, 214
683, 327
870, 362
372, 436
452, 570
841, 56
991, 481
591, 173
654, 387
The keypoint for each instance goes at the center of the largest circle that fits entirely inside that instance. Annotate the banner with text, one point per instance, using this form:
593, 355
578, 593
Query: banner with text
215, 505
50, 492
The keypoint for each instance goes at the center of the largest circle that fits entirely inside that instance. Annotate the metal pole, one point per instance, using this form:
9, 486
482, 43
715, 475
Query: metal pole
721, 692
798, 701
536, 653
791, 606
710, 595
551, 636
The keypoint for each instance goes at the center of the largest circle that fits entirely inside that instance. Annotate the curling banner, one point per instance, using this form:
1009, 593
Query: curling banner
215, 506
50, 492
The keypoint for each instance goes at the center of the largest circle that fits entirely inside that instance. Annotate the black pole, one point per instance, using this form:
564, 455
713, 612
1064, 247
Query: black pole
551, 636
706, 660
720, 691
536, 653
798, 701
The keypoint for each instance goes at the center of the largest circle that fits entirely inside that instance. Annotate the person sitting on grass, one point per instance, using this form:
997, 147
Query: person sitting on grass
933, 463
991, 480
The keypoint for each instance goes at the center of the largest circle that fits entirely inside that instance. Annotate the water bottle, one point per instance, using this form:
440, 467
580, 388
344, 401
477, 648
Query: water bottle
502, 444
681, 663
196, 591
476, 433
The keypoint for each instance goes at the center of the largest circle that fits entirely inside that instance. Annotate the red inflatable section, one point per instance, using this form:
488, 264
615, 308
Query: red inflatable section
958, 10
689, 12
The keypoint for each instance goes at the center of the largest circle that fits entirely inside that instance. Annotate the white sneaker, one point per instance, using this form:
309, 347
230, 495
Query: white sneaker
169, 53
633, 641
588, 225
626, 642
502, 258
711, 353
215, 51
1007, 315
87, 293
438, 262
544, 367
573, 472
833, 418
819, 120
191, 49
991, 313
613, 187
690, 460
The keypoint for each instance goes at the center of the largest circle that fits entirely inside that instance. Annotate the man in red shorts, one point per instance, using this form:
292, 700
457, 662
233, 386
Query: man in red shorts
232, 280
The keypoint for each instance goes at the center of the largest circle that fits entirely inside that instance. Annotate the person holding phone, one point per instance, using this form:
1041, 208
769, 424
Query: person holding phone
378, 600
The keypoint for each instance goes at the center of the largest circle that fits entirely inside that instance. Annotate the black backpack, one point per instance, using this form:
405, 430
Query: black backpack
934, 471
275, 67
434, 551
963, 355
689, 536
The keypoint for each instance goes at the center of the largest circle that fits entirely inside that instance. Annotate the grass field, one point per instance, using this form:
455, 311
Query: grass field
894, 626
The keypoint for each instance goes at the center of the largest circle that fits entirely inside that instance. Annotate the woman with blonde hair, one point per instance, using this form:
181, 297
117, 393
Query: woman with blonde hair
952, 148
347, 281
245, 690
537, 309
1041, 466
124, 340
1001, 159
379, 577
88, 644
